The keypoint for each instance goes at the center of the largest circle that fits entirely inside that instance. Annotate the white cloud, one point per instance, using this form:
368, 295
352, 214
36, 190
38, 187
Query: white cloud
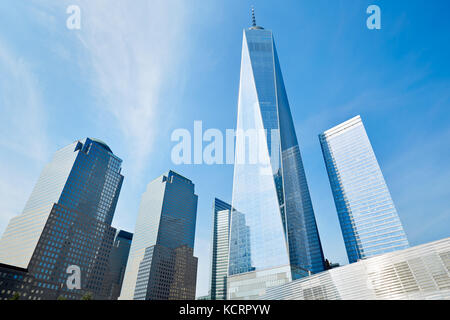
130, 53
23, 118
23, 137
133, 50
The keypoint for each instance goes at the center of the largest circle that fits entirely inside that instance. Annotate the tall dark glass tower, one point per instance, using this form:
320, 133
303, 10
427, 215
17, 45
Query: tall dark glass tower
67, 222
274, 236
118, 262
220, 249
161, 265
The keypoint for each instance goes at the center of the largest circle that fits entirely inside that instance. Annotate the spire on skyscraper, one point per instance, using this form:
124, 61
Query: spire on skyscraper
253, 17
272, 230
254, 26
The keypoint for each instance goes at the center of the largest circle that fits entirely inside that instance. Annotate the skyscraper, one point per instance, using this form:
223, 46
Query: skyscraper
161, 265
219, 250
118, 262
67, 222
274, 236
369, 221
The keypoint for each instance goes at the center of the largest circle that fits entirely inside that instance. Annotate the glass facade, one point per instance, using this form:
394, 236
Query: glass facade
219, 250
67, 221
273, 223
161, 264
367, 215
417, 273
118, 262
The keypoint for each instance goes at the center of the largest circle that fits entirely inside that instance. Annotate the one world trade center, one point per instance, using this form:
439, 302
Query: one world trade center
273, 237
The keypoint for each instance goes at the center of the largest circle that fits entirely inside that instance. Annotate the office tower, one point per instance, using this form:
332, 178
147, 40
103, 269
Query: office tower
161, 265
118, 262
274, 236
67, 222
219, 250
369, 221
416, 273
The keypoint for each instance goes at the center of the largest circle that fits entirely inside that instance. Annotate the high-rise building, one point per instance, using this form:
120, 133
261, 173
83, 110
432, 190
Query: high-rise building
219, 250
369, 221
67, 222
416, 273
118, 262
274, 236
161, 265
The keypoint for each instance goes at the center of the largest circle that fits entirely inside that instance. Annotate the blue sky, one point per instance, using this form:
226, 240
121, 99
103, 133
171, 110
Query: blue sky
138, 70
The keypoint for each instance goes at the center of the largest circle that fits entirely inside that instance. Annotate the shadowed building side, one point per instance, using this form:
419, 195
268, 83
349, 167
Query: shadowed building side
118, 262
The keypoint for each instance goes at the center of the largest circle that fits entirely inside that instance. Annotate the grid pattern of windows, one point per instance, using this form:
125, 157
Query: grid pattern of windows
369, 220
118, 262
75, 199
165, 224
220, 247
22, 234
167, 274
15, 280
253, 285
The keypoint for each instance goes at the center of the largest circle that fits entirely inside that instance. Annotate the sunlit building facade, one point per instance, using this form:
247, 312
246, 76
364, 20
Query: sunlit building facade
369, 221
66, 222
274, 236
161, 265
416, 273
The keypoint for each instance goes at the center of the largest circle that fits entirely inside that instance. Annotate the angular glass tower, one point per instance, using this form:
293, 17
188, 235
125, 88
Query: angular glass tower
369, 221
161, 265
67, 221
219, 250
274, 236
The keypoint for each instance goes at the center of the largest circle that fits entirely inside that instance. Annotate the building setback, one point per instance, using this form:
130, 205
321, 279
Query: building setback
369, 221
66, 222
118, 262
161, 265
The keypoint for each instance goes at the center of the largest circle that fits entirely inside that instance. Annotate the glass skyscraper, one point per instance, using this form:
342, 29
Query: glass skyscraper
219, 250
369, 221
67, 221
274, 236
161, 265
